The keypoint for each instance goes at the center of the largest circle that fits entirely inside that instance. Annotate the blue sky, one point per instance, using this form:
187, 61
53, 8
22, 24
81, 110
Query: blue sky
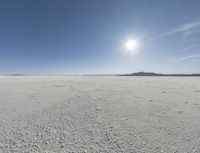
88, 36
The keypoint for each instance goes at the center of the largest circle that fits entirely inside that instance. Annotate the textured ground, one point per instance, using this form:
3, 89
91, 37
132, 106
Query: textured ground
100, 114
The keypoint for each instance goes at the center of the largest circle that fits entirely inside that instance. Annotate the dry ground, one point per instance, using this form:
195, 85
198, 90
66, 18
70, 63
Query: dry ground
99, 114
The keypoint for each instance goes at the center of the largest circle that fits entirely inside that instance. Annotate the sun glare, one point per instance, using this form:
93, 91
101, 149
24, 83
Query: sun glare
131, 46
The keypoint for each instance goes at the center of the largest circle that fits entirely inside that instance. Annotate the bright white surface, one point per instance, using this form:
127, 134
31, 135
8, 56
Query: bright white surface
99, 114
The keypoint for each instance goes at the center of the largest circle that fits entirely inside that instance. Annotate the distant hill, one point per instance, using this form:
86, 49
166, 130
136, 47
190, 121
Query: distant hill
128, 74
15, 75
156, 74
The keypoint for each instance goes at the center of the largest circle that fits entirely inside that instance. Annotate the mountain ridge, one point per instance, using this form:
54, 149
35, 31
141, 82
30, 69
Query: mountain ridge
128, 74
156, 74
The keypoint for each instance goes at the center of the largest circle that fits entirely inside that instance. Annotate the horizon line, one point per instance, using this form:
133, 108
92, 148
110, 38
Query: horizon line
140, 73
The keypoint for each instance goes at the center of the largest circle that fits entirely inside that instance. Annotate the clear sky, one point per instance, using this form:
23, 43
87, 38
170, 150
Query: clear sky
88, 36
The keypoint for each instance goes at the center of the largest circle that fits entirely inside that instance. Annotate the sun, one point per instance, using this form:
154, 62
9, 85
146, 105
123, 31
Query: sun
131, 46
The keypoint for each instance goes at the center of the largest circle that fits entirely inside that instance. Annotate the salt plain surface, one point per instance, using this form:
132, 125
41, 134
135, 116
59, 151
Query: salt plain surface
99, 114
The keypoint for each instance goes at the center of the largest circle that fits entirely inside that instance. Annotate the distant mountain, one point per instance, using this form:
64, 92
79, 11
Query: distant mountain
142, 74
128, 74
156, 74
15, 75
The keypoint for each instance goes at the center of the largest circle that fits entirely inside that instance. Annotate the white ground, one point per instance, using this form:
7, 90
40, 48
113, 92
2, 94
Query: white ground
100, 114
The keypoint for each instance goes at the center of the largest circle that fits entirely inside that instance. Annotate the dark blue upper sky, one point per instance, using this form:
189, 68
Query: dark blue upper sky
87, 36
